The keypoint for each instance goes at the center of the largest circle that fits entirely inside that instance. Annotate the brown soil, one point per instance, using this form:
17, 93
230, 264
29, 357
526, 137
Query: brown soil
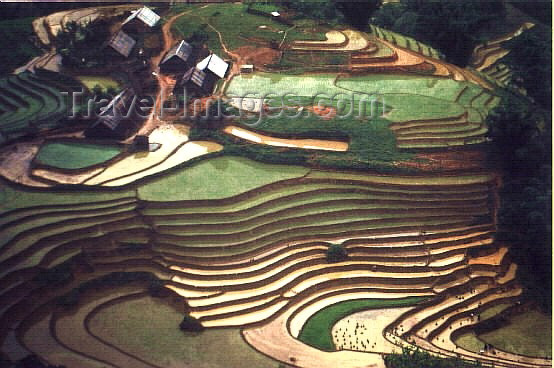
452, 160
257, 55
326, 112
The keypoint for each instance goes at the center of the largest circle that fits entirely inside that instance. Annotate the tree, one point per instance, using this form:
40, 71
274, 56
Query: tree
530, 60
79, 44
354, 13
191, 324
357, 13
415, 358
448, 25
336, 253
522, 146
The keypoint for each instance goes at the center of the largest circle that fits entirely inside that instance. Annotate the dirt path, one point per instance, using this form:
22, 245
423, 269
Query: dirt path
165, 84
313, 144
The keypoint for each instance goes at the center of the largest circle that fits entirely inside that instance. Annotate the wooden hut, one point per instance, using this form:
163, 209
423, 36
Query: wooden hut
178, 59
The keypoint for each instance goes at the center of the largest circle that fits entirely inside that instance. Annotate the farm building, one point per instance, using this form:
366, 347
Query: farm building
178, 59
197, 83
246, 68
213, 64
141, 20
119, 118
122, 43
201, 80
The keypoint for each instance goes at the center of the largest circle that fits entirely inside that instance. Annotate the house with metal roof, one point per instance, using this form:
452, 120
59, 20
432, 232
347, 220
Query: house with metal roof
197, 83
141, 20
122, 43
119, 119
214, 64
201, 79
178, 59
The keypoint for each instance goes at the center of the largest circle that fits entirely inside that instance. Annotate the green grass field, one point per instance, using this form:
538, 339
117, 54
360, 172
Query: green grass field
12, 197
149, 329
444, 89
235, 24
529, 333
216, 178
75, 155
370, 139
317, 330
32, 103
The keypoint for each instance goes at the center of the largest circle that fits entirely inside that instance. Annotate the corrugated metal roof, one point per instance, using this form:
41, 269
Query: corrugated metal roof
146, 15
182, 50
198, 77
214, 64
112, 114
122, 43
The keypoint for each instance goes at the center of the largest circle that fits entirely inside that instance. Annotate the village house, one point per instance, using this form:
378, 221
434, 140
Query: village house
178, 59
119, 119
201, 80
141, 20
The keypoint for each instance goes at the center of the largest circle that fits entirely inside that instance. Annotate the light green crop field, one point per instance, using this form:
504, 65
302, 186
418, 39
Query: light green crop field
217, 178
90, 81
149, 329
12, 197
406, 107
260, 84
401, 95
444, 89
75, 155
317, 330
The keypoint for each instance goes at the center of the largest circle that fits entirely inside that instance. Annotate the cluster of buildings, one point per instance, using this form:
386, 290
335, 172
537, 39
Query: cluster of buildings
198, 75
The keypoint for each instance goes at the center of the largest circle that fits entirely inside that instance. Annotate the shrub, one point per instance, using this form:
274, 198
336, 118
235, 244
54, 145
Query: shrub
191, 324
336, 253
157, 289
414, 358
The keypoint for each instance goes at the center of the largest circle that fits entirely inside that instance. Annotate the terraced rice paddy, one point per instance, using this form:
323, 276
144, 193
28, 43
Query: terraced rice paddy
75, 155
165, 344
101, 274
426, 105
317, 330
404, 41
30, 103
251, 253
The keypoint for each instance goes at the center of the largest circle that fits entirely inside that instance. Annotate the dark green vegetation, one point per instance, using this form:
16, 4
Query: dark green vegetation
75, 155
317, 330
336, 253
30, 103
18, 46
521, 133
420, 359
449, 26
355, 13
191, 324
530, 59
79, 44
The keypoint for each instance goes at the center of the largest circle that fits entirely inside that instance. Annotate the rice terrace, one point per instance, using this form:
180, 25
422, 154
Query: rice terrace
324, 184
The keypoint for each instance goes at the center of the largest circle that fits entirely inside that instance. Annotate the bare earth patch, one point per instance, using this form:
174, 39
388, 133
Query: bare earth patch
257, 55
